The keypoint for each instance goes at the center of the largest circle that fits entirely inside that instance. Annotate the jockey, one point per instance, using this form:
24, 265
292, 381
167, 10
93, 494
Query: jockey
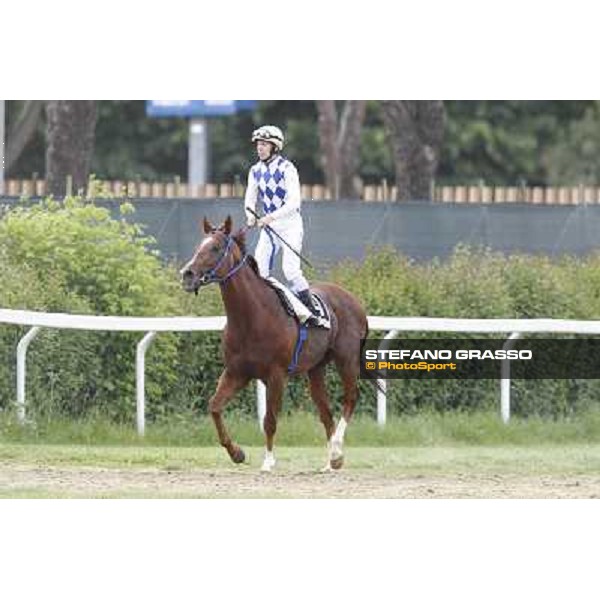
274, 181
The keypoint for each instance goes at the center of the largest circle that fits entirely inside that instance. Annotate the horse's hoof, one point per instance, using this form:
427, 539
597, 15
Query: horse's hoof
267, 465
238, 456
336, 463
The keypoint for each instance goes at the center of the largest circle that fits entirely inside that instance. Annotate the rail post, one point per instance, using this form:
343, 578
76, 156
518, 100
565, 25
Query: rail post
21, 370
140, 381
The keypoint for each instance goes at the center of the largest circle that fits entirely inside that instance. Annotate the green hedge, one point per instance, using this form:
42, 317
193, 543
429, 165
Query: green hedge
478, 283
73, 257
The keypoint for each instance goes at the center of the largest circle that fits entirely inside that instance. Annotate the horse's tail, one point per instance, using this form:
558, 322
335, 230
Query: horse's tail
371, 377
364, 337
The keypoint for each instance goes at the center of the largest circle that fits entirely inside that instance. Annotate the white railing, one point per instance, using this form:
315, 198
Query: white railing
394, 325
150, 325
515, 327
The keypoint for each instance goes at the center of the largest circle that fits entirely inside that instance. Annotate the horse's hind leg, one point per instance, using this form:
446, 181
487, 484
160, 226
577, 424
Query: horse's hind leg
348, 370
275, 386
227, 387
318, 392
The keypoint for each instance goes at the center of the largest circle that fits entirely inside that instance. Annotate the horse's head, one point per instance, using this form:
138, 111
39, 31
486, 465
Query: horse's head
215, 259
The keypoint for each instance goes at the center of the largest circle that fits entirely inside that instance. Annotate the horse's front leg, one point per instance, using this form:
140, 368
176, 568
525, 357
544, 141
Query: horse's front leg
228, 385
275, 386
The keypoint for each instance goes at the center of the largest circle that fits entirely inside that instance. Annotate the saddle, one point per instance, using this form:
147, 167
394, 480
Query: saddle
297, 309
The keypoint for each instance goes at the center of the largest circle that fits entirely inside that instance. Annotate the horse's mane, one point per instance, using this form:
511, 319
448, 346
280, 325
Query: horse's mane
240, 239
252, 262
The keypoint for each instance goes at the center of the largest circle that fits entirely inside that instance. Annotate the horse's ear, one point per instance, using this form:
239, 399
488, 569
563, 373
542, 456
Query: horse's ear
240, 238
226, 227
207, 225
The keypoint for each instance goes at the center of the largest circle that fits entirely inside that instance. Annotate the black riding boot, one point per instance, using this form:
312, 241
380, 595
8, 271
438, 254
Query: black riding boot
307, 300
315, 319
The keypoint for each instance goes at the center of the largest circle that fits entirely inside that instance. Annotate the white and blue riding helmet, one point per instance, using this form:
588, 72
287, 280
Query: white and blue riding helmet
269, 133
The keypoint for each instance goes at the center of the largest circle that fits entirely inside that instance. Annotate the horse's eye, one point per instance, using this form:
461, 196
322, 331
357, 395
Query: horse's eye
215, 249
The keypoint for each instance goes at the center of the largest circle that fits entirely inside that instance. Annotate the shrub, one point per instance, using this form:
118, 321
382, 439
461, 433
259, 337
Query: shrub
73, 257
478, 283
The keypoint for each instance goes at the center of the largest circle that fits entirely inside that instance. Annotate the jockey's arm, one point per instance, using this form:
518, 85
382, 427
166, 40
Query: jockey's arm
293, 199
250, 199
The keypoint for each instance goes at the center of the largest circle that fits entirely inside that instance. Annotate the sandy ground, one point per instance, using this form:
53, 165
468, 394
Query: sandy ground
31, 481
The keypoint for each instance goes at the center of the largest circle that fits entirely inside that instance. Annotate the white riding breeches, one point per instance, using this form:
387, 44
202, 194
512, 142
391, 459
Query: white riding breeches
269, 245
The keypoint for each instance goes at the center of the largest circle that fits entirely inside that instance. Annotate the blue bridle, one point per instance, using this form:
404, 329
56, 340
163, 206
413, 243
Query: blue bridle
211, 276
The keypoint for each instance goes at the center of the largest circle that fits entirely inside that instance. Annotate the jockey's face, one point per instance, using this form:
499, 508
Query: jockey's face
264, 149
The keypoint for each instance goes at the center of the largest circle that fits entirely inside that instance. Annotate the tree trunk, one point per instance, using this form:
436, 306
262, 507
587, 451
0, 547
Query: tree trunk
328, 140
415, 130
340, 145
70, 143
353, 116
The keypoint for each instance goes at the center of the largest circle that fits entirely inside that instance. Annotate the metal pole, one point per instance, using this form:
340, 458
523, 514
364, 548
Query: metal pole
140, 383
2, 147
382, 402
382, 387
505, 379
198, 152
261, 403
21, 368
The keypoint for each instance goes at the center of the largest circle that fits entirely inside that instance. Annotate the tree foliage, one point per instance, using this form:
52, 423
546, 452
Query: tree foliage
505, 142
22, 130
502, 142
575, 161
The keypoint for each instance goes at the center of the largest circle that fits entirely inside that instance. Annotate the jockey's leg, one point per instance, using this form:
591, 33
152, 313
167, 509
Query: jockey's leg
266, 250
292, 268
290, 264
298, 284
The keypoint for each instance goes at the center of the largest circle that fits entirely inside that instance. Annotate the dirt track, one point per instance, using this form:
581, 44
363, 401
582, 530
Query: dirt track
30, 481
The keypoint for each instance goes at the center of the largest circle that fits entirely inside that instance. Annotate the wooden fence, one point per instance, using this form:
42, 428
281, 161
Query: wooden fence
371, 193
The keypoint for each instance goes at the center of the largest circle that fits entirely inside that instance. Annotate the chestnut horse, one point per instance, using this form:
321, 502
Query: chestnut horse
260, 338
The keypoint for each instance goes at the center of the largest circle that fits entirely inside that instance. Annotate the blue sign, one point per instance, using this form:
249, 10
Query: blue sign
196, 108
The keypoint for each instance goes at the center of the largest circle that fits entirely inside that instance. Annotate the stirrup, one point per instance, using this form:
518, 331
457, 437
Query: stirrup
315, 321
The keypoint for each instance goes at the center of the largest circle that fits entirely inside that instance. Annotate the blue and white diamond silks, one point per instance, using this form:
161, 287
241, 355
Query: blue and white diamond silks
270, 179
